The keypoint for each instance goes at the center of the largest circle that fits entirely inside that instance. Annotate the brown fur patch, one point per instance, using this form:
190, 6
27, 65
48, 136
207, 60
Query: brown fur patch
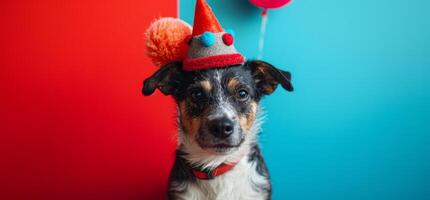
268, 84
190, 125
206, 85
262, 70
247, 121
232, 84
270, 87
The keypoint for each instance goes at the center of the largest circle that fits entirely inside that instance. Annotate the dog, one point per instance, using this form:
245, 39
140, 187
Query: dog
219, 120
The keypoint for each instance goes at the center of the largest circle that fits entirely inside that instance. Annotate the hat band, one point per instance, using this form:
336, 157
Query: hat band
217, 61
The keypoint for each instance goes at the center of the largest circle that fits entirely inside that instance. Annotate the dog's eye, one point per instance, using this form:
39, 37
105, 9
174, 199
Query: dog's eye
242, 94
197, 95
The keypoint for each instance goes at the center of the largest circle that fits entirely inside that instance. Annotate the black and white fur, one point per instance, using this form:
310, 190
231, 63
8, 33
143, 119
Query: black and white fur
219, 120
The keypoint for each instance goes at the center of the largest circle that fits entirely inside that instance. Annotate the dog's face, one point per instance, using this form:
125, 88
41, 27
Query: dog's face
218, 107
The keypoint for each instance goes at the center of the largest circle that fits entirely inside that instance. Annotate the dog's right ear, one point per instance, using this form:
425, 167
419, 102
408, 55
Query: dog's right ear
165, 79
268, 77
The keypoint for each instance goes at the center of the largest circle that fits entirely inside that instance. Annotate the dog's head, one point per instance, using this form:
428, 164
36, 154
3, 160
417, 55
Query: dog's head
218, 107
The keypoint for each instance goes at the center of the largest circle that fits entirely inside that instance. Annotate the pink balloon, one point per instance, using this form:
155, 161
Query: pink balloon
268, 4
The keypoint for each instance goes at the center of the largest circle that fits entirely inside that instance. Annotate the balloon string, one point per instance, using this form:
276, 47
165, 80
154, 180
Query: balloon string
262, 33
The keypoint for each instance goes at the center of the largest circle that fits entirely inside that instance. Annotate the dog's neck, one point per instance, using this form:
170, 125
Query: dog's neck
203, 159
198, 157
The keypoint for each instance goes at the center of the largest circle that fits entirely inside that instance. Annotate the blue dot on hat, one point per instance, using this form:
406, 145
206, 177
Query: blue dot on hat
207, 39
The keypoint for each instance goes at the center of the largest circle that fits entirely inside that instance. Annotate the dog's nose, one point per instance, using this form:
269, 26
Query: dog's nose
221, 128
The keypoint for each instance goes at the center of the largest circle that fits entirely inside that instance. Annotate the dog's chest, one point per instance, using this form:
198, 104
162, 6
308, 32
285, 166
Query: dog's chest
242, 182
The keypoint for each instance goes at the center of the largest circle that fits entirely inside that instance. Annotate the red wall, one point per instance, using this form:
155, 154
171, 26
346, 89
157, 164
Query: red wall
74, 124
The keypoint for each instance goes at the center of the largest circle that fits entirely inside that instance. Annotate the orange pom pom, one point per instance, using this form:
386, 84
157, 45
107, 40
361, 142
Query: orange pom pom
165, 40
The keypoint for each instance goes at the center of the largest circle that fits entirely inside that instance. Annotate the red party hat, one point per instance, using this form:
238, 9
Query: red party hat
209, 45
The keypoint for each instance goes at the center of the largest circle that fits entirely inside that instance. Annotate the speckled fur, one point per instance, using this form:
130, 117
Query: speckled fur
219, 99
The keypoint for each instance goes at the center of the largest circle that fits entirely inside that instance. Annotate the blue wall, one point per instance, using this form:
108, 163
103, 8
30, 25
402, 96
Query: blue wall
357, 125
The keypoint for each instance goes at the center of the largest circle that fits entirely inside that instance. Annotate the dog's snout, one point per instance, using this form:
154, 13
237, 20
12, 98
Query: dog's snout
221, 127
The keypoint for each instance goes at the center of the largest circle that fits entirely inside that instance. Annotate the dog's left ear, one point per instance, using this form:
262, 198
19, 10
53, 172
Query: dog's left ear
267, 77
166, 79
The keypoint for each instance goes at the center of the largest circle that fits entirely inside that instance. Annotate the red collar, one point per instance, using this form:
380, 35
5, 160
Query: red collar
210, 174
